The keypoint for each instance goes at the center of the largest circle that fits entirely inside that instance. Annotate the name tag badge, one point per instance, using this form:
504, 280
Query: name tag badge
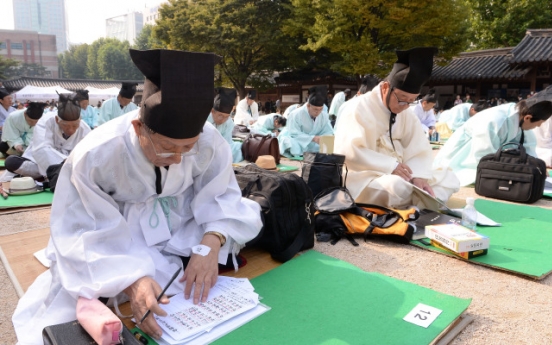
422, 315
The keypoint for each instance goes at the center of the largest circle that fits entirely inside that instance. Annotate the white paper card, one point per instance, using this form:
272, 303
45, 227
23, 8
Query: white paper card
41, 256
422, 315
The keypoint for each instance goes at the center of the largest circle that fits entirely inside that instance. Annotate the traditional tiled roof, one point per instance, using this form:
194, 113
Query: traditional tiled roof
536, 46
479, 65
69, 84
310, 76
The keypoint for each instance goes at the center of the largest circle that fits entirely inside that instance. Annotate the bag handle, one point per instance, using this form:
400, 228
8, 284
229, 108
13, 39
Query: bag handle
263, 139
521, 148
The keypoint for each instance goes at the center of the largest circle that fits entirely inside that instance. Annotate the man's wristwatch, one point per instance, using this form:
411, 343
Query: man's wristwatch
219, 235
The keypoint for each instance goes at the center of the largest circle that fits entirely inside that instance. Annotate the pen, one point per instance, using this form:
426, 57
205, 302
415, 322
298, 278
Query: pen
162, 292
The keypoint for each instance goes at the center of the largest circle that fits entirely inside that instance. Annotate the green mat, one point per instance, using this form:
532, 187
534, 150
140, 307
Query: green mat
43, 198
316, 299
295, 158
287, 168
521, 245
2, 163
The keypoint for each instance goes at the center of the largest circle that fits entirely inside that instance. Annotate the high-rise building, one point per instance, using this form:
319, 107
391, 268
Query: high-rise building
151, 14
44, 17
125, 27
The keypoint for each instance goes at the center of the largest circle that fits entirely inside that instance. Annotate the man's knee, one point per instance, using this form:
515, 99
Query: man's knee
13, 163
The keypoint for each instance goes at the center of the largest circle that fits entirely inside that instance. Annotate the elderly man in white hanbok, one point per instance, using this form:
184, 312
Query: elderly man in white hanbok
338, 100
269, 124
305, 125
54, 137
137, 195
384, 166
17, 133
247, 111
488, 131
220, 118
117, 106
544, 142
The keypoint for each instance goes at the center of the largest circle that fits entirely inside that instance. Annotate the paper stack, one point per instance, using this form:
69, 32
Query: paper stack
231, 303
457, 238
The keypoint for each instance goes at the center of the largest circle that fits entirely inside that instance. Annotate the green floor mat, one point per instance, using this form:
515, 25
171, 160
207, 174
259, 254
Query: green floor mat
287, 168
2, 161
521, 245
316, 299
38, 199
295, 158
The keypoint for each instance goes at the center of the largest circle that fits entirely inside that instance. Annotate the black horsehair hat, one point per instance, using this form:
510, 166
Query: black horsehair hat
68, 107
178, 90
128, 90
318, 95
82, 95
225, 99
412, 69
35, 110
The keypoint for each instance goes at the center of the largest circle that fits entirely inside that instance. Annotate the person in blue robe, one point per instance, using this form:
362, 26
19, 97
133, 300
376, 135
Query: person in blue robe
122, 104
88, 113
269, 124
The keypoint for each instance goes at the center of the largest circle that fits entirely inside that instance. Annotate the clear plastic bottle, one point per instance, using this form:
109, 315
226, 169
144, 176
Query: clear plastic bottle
469, 215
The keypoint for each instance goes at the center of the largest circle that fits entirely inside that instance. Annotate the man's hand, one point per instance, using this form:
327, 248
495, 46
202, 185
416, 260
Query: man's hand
202, 270
422, 184
252, 121
19, 148
316, 139
402, 170
143, 297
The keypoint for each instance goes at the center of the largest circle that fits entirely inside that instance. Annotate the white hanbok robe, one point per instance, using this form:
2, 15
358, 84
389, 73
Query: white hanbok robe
337, 102
544, 142
111, 109
246, 113
264, 125
363, 137
109, 227
300, 129
90, 116
427, 118
49, 147
226, 131
456, 116
479, 136
16, 130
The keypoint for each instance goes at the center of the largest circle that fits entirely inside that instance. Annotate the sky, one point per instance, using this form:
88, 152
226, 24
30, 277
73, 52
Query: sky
86, 19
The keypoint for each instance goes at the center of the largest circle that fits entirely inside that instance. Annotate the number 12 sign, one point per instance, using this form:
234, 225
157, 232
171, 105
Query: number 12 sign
422, 315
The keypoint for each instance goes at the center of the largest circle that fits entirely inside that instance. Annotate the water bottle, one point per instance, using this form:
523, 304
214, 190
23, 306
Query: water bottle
469, 215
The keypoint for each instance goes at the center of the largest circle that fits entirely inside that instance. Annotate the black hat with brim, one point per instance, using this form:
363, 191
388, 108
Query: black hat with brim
178, 90
3, 92
81, 95
225, 99
68, 107
412, 69
252, 94
318, 95
35, 110
128, 90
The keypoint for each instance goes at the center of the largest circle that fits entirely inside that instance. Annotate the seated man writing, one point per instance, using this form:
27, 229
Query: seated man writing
305, 125
54, 137
386, 149
140, 195
269, 124
17, 133
220, 118
488, 131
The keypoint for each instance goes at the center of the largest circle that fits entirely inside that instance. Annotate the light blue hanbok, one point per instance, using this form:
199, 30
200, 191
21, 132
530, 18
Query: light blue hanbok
479, 136
226, 131
112, 109
456, 116
264, 125
300, 129
90, 116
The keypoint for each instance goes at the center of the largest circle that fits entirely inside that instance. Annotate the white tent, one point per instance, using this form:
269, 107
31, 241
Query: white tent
36, 93
95, 94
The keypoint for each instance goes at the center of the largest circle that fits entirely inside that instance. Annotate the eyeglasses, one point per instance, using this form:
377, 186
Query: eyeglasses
193, 151
401, 103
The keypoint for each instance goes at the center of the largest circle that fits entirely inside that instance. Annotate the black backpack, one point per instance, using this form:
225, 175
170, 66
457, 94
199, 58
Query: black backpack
286, 209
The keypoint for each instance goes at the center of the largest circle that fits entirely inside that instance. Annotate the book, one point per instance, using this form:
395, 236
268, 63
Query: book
465, 255
73, 333
429, 217
457, 238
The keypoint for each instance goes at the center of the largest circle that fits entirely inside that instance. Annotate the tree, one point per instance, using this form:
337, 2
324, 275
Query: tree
147, 39
366, 33
114, 62
503, 23
28, 70
74, 61
5, 65
246, 33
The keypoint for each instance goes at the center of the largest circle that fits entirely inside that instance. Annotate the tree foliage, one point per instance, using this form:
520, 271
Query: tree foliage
27, 70
147, 39
105, 58
366, 33
5, 65
503, 23
246, 33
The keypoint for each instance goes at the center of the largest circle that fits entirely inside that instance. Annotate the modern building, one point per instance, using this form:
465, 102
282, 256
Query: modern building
151, 14
125, 27
47, 17
30, 47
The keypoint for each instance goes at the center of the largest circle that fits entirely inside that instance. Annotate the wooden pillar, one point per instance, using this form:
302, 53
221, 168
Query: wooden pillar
533, 78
